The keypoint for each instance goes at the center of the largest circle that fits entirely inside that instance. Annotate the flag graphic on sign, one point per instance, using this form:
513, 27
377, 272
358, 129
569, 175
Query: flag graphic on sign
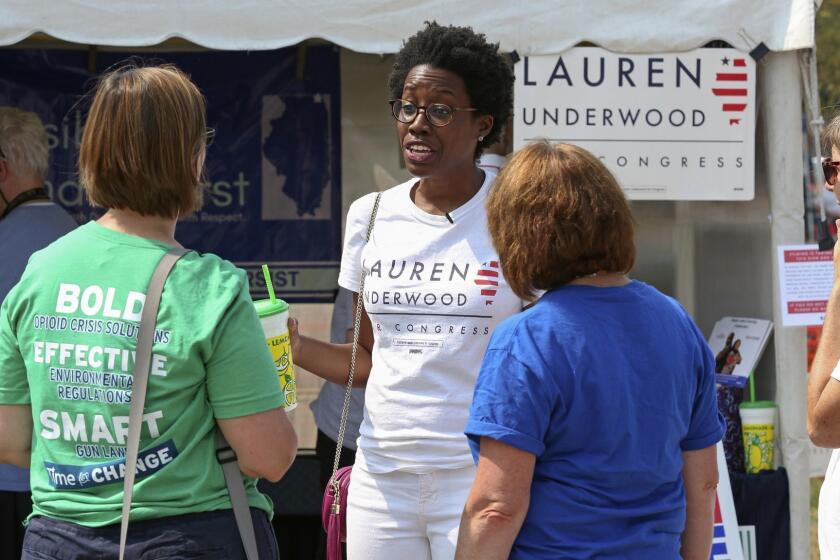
488, 279
728, 84
719, 540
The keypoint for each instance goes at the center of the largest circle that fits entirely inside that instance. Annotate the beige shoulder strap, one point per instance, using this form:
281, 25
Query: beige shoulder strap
142, 361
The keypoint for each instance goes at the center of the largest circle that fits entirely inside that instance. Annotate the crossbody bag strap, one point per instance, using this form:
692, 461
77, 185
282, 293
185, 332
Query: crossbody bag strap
345, 409
238, 496
142, 361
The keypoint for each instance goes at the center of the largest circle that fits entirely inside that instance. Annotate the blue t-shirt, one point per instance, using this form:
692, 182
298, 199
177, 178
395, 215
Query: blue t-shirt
607, 387
27, 229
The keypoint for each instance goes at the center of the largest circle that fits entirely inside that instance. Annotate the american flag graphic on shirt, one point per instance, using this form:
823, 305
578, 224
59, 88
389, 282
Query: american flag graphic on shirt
488, 279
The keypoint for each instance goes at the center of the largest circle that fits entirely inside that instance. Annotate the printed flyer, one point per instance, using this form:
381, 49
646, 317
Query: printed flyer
737, 343
806, 275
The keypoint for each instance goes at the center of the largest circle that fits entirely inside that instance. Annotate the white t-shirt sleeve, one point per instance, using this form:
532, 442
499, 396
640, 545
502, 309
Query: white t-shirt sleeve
358, 218
836, 373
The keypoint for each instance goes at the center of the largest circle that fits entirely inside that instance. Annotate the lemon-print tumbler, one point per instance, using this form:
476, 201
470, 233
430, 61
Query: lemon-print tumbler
758, 422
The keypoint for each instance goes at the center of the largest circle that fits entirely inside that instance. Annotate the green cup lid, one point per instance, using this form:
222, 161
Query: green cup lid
266, 307
758, 404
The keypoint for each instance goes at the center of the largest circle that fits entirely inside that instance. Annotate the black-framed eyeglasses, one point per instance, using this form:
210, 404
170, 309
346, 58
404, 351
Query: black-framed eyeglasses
438, 114
211, 135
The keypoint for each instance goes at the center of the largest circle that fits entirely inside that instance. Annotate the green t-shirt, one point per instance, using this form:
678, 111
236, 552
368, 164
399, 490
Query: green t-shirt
67, 337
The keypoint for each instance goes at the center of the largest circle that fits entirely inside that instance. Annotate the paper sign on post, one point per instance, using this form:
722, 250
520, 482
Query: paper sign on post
806, 275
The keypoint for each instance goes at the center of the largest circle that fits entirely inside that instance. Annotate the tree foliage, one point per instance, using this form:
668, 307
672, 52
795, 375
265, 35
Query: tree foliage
828, 56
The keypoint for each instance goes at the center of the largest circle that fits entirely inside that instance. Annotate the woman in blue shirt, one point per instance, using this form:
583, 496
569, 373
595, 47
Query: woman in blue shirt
594, 416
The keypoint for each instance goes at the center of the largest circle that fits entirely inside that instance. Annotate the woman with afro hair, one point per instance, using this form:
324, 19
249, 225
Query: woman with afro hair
433, 294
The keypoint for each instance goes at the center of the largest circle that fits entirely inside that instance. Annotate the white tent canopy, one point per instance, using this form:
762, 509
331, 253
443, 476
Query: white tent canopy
535, 27
379, 26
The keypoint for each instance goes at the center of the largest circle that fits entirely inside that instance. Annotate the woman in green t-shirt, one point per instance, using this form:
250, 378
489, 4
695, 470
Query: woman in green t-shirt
68, 332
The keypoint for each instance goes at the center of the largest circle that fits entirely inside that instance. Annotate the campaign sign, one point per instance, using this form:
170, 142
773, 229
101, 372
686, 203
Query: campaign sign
273, 192
674, 126
726, 542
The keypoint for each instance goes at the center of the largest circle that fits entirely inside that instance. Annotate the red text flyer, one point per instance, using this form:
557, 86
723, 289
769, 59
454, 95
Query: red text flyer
805, 279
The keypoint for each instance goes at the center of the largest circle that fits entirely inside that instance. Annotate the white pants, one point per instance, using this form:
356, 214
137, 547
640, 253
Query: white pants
406, 516
828, 514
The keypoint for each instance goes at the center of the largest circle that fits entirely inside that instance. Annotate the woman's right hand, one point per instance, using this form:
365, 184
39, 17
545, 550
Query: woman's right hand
330, 361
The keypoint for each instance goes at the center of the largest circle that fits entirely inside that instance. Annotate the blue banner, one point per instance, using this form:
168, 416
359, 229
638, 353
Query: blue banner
274, 168
74, 477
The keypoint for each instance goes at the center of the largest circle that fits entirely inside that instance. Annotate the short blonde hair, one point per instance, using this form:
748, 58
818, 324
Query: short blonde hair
831, 134
23, 140
144, 142
556, 214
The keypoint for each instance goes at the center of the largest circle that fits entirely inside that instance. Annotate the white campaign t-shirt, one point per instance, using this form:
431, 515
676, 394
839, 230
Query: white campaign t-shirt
829, 507
434, 293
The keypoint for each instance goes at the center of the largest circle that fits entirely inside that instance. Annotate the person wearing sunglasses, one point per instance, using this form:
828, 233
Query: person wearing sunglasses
830, 168
433, 294
29, 221
829, 201
824, 379
495, 157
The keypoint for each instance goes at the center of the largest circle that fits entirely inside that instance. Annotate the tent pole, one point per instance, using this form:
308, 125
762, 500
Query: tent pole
685, 251
781, 101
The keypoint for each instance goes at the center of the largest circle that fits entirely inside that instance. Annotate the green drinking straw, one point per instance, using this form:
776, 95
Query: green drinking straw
268, 283
752, 386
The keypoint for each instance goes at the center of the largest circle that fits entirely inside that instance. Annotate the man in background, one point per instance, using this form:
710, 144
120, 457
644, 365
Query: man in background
495, 156
29, 221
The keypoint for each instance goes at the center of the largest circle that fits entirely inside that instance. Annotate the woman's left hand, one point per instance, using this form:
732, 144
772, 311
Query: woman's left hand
294, 337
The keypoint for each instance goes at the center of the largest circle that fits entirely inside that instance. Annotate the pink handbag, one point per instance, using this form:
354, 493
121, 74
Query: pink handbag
335, 520
334, 504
